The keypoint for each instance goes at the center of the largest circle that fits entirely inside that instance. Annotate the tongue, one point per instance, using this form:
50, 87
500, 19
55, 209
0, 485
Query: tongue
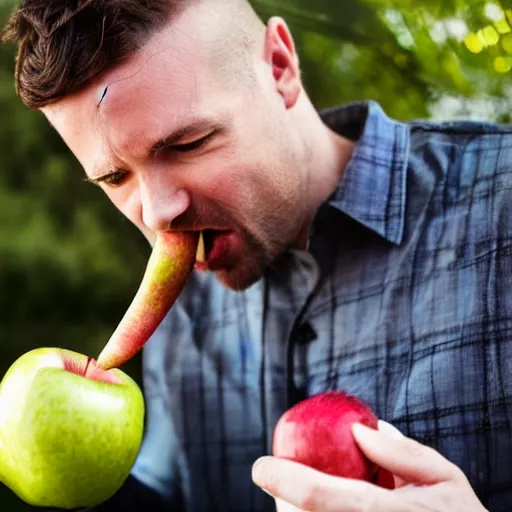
217, 246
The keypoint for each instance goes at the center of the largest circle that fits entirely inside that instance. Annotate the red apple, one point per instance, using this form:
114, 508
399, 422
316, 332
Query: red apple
171, 261
317, 433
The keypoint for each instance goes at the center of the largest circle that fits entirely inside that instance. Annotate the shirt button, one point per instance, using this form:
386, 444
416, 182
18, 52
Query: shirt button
305, 334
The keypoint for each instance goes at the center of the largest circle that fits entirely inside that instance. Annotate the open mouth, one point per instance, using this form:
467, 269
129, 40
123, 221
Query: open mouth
205, 245
212, 249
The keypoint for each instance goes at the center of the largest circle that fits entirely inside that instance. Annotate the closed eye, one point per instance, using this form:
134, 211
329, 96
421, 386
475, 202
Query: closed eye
118, 177
112, 179
193, 145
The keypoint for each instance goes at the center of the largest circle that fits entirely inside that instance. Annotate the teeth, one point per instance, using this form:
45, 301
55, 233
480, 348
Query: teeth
200, 253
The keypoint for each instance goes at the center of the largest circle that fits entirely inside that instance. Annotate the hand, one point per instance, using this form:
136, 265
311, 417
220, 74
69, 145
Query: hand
425, 481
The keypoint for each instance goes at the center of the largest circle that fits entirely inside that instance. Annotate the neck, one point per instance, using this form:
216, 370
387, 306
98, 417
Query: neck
328, 155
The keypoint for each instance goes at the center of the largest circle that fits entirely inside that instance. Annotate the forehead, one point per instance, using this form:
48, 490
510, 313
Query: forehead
173, 76
186, 56
165, 81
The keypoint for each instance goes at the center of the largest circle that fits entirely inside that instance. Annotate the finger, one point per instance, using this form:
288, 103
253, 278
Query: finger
283, 506
308, 489
385, 478
404, 457
446, 495
389, 430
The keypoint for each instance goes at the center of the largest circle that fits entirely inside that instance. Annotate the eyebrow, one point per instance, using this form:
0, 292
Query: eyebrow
195, 125
176, 135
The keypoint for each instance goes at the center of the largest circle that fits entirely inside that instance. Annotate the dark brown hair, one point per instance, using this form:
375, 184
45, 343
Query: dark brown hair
64, 44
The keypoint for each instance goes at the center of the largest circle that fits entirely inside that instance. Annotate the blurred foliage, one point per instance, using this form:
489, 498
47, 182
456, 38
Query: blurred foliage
433, 59
70, 263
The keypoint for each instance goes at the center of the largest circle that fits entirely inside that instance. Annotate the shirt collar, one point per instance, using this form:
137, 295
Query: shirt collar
372, 188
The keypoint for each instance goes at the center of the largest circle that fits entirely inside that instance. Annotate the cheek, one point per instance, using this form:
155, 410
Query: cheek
223, 178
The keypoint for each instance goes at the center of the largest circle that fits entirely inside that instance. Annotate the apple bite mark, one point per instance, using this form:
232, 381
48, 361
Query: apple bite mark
75, 366
167, 271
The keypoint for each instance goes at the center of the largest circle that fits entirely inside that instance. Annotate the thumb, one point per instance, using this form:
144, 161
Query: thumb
409, 460
283, 506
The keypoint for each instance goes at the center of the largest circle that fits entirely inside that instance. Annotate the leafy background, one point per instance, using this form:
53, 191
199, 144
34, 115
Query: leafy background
70, 263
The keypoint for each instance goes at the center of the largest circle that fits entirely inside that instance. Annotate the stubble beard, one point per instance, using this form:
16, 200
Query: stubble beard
257, 257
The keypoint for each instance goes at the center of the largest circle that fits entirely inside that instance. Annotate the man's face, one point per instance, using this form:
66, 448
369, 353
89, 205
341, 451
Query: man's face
191, 133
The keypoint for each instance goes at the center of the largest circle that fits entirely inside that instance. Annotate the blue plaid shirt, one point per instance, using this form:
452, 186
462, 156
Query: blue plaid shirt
403, 298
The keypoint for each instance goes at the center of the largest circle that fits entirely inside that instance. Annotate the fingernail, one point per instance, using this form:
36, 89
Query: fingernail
389, 430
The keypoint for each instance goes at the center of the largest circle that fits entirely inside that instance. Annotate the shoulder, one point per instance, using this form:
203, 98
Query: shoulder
465, 153
459, 128
462, 173
463, 138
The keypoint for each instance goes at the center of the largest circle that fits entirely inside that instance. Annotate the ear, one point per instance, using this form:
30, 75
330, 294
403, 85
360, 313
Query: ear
281, 56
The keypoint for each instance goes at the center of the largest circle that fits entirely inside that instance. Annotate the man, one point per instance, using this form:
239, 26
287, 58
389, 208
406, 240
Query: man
344, 250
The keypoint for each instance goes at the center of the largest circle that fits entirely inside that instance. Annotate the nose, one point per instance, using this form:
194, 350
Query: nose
161, 203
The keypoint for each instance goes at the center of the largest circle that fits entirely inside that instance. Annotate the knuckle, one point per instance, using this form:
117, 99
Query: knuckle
318, 497
312, 497
452, 497
413, 449
367, 502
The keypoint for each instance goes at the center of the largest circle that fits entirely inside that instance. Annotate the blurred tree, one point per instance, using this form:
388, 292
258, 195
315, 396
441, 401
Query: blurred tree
70, 264
428, 58
68, 260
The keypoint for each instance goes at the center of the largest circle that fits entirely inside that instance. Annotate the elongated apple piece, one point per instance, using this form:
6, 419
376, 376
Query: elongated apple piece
169, 265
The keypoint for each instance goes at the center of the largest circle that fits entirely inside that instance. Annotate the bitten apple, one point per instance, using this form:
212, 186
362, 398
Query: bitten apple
69, 431
317, 433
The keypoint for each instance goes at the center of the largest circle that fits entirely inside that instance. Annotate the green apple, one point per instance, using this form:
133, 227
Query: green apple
70, 426
69, 431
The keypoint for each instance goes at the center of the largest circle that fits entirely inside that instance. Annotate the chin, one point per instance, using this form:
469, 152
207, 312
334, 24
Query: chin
240, 277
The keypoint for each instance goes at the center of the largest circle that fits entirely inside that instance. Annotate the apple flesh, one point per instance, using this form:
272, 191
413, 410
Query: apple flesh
169, 265
317, 433
69, 431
